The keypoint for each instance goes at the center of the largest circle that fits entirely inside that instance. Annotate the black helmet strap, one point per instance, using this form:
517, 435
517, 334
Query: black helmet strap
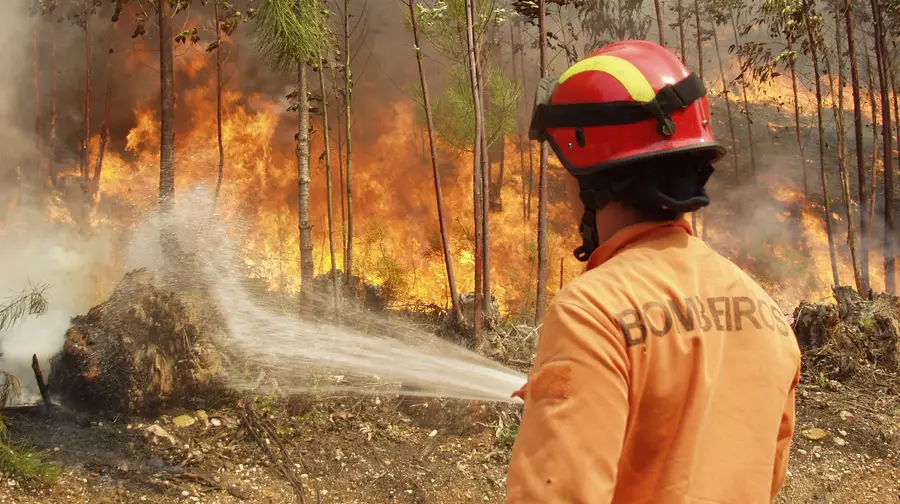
670, 98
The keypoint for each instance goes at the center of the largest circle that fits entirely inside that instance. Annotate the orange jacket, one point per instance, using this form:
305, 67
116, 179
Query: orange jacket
664, 375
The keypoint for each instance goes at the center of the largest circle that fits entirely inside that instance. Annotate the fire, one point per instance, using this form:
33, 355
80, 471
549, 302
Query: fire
396, 240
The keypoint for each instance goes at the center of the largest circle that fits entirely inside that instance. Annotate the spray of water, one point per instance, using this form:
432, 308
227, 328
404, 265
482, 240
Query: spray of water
300, 355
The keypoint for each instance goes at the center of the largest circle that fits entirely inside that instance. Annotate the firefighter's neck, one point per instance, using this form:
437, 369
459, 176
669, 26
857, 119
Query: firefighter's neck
614, 217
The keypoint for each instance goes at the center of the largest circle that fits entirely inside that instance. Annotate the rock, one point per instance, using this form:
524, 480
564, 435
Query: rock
182, 421
155, 432
839, 441
847, 416
215, 422
814, 433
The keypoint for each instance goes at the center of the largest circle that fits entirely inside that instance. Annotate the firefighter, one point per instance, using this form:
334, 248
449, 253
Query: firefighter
664, 373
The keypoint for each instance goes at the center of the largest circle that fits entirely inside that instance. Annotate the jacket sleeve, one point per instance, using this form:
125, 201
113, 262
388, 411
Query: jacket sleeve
575, 415
785, 434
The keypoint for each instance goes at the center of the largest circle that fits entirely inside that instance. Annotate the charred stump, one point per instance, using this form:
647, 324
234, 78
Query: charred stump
840, 337
144, 348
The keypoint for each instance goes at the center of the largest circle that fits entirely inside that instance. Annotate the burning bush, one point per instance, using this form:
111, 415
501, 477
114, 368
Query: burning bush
145, 347
839, 338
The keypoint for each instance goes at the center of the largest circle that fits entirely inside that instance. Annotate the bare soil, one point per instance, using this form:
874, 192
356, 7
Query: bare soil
377, 449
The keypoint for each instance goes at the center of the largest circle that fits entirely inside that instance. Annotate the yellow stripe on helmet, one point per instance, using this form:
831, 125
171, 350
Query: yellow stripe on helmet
622, 70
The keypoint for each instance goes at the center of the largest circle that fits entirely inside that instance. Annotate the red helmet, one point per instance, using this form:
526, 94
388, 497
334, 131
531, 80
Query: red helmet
627, 101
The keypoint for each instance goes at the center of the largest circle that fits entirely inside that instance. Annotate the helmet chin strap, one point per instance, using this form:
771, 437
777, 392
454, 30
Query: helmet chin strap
589, 235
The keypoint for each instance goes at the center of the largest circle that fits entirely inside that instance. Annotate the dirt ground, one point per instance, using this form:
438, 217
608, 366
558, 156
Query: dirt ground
377, 449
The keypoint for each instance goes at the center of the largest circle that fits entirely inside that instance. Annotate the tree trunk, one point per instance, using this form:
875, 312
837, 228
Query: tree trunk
54, 114
497, 187
445, 239
870, 72
826, 200
659, 22
797, 122
307, 269
751, 147
543, 253
329, 194
837, 88
860, 160
485, 177
725, 91
340, 151
104, 131
219, 102
39, 170
699, 74
680, 8
348, 85
86, 146
167, 91
882, 62
528, 144
699, 38
519, 143
477, 176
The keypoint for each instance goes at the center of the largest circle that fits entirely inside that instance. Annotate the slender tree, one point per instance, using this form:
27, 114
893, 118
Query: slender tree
699, 38
860, 161
543, 252
104, 129
290, 34
221, 143
477, 176
793, 66
329, 194
813, 43
86, 145
883, 70
348, 87
481, 136
167, 126
38, 111
700, 74
307, 268
659, 22
725, 93
837, 107
871, 72
54, 112
426, 101
680, 12
751, 147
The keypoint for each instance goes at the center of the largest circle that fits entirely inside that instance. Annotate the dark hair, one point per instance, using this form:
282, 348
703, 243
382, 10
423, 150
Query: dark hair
658, 189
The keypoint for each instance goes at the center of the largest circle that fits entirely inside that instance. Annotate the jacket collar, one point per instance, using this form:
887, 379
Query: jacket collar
631, 235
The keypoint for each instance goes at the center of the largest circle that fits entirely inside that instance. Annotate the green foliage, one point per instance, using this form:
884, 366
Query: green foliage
9, 389
508, 435
444, 25
19, 462
606, 22
31, 301
454, 113
291, 32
